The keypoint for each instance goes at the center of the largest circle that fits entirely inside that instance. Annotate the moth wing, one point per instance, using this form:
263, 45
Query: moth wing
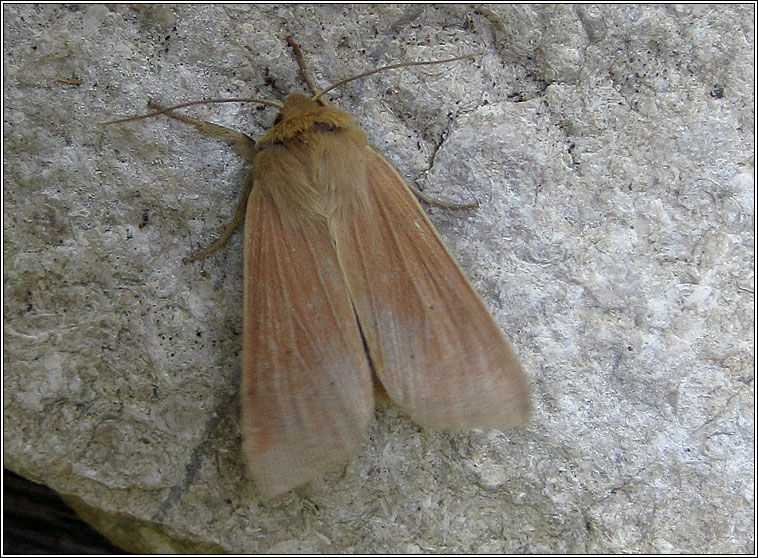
307, 393
432, 343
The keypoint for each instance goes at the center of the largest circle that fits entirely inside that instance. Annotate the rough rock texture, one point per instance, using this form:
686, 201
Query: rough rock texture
611, 150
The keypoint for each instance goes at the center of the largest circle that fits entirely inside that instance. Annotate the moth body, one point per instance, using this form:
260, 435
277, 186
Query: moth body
344, 272
345, 278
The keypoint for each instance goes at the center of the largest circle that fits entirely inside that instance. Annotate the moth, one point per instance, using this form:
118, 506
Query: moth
346, 282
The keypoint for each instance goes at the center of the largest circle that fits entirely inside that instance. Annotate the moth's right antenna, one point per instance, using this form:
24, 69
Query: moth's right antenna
318, 95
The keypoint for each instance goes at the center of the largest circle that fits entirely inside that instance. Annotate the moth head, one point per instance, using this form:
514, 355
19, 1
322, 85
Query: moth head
297, 106
300, 114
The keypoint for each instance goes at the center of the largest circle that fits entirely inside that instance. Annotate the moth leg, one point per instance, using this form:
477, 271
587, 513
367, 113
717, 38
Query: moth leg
439, 203
231, 228
241, 143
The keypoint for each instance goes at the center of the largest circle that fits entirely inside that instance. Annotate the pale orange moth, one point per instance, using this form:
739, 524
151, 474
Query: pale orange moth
345, 278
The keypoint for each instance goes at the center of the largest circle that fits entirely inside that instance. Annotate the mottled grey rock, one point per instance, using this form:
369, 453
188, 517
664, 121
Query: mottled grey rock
611, 151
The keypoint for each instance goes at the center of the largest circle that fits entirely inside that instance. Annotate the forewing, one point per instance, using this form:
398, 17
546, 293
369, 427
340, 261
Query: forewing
307, 393
434, 346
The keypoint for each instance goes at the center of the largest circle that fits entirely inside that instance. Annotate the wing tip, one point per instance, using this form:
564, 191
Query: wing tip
279, 463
